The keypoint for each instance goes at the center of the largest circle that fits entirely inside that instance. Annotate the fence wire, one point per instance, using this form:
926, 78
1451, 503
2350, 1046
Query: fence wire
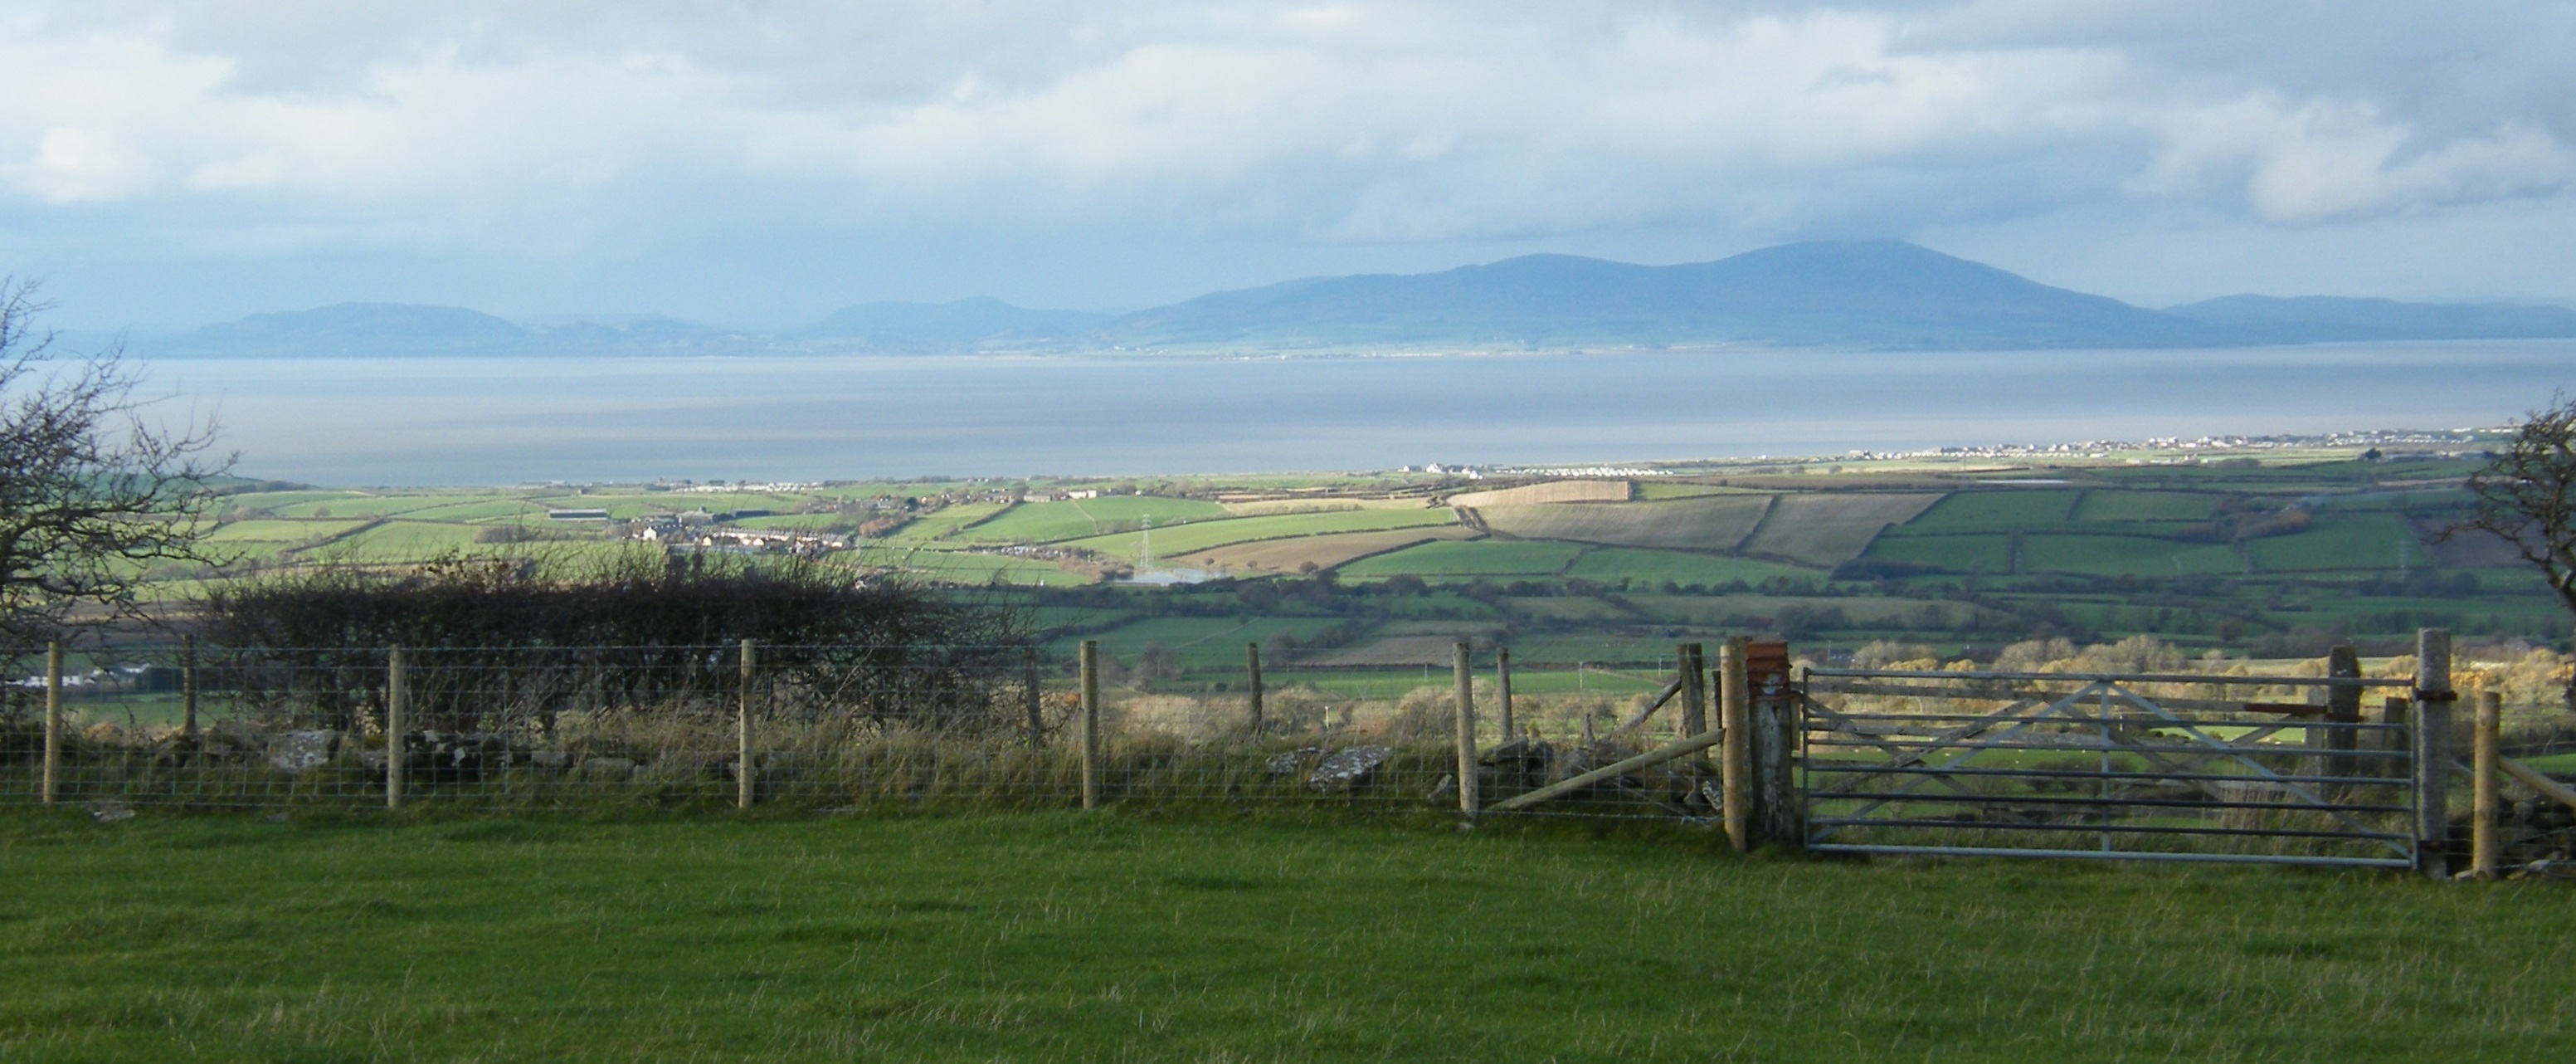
817, 727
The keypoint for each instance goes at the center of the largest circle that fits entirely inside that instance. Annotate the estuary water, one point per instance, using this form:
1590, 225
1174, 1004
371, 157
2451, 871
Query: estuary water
456, 421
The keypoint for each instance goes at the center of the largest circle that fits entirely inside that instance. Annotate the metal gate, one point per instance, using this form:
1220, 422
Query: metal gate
2267, 769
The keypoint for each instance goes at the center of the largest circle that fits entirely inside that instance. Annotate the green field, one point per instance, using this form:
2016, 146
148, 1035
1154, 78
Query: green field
1481, 557
1608, 564
1047, 522
2115, 555
1114, 937
1201, 643
407, 541
947, 521
1951, 553
2364, 541
1996, 511
2101, 505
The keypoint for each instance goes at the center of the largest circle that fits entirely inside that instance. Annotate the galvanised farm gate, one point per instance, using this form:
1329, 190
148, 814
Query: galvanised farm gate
2182, 767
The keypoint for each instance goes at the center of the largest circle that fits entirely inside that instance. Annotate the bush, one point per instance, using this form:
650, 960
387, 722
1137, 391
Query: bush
625, 636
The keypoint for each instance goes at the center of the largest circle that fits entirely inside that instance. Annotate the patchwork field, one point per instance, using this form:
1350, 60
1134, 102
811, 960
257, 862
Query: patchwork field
1484, 557
1996, 511
1706, 523
2117, 555
1654, 567
2102, 505
2343, 541
1323, 552
1048, 522
1559, 491
1184, 539
1827, 530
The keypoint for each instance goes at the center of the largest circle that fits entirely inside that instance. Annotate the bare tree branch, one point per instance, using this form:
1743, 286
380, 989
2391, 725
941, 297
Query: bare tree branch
93, 494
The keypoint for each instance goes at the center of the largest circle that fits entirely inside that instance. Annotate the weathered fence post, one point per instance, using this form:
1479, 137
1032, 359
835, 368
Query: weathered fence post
2433, 757
394, 751
1029, 680
1503, 693
1466, 677
1252, 677
2343, 707
188, 691
1090, 723
1735, 755
1779, 817
1687, 660
53, 721
2482, 829
742, 767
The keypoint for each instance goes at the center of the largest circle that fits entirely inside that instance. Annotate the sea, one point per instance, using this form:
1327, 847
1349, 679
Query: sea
421, 421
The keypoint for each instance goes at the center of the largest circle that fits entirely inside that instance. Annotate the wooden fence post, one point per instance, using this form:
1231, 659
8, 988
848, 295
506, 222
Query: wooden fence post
53, 722
1503, 693
2482, 829
1032, 701
1779, 815
1689, 662
188, 691
1735, 755
2433, 757
1466, 677
2343, 706
742, 767
395, 753
1252, 677
1090, 723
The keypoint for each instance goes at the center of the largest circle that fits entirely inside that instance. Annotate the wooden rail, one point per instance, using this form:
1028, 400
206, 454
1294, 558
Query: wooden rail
1649, 759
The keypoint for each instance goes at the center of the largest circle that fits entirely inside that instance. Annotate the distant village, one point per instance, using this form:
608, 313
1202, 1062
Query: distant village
870, 518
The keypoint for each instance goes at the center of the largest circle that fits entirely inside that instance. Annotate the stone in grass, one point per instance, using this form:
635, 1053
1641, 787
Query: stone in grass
607, 768
302, 751
1288, 763
1349, 768
551, 760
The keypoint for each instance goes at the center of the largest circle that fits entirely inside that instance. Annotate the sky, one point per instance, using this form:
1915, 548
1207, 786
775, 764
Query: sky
760, 164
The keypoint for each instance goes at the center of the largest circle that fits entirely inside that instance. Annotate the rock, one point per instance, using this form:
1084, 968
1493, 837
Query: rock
1523, 761
551, 760
607, 768
1346, 769
104, 734
302, 751
1288, 763
111, 812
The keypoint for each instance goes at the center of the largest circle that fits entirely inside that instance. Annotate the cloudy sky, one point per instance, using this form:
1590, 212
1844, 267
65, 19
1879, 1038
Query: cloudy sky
760, 163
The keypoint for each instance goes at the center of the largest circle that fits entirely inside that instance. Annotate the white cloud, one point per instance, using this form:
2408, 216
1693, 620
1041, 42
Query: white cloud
80, 166
545, 129
2317, 162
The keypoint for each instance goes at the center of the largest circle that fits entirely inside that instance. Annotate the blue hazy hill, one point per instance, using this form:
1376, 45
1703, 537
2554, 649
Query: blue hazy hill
1876, 294
2318, 319
355, 329
1879, 293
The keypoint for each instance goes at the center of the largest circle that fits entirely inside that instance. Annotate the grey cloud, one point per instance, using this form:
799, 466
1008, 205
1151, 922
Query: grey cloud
570, 132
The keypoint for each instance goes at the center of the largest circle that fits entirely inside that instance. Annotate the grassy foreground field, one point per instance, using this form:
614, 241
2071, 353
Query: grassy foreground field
1064, 937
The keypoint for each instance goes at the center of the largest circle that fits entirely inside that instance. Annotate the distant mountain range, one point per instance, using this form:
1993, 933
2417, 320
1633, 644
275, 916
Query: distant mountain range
1881, 294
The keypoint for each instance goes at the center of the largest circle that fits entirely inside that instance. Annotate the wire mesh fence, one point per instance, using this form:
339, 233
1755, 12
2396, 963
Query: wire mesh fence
824, 727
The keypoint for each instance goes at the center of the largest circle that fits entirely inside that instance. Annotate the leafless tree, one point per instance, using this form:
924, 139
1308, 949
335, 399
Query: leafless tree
2527, 495
94, 492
